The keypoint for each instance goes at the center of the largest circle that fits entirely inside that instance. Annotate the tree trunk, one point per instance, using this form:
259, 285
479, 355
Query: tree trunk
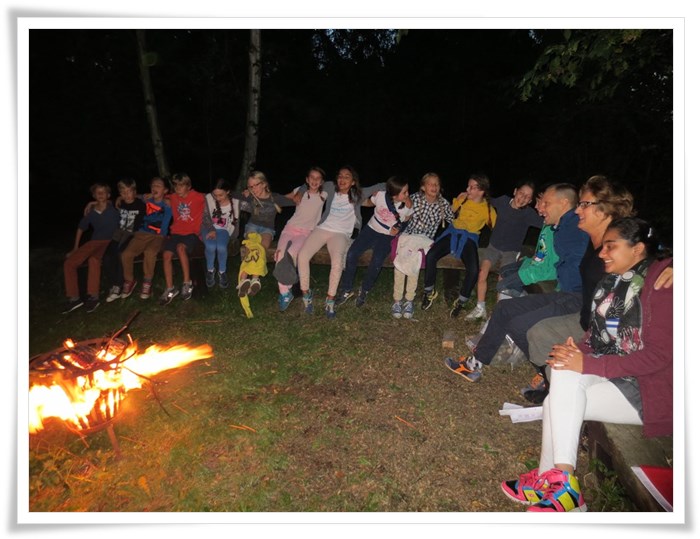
150, 100
250, 149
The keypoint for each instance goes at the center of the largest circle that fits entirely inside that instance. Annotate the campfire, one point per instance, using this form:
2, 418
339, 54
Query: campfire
84, 383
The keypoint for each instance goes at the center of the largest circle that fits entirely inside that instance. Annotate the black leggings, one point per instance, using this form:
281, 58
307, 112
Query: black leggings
470, 258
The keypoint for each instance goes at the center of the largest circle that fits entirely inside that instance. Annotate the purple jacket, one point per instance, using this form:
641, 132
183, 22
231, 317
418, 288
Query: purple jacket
653, 364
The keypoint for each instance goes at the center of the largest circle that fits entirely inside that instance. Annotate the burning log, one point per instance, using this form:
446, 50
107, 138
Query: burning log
84, 383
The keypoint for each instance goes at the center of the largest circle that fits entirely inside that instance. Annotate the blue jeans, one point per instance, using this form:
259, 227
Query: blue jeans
217, 248
470, 259
368, 238
516, 316
510, 278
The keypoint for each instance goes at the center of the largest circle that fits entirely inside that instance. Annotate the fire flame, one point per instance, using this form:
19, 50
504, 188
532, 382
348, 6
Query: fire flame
83, 400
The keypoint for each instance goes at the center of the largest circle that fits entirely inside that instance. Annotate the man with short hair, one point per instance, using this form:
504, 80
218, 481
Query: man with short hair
515, 316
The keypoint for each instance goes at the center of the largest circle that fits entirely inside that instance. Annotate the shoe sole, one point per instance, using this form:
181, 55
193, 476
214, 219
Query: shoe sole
343, 300
125, 295
408, 316
396, 315
168, 299
430, 303
243, 289
93, 308
254, 288
110, 299
78, 306
463, 373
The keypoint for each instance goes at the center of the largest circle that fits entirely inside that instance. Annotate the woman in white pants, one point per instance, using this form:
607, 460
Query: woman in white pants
620, 372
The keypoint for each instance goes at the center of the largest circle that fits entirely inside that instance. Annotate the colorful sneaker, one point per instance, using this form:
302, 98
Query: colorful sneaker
186, 290
468, 368
72, 305
343, 297
210, 278
528, 489
361, 298
128, 288
223, 280
562, 494
308, 299
396, 309
408, 309
168, 295
284, 300
255, 286
477, 312
145, 290
92, 304
428, 297
330, 308
457, 307
114, 293
243, 288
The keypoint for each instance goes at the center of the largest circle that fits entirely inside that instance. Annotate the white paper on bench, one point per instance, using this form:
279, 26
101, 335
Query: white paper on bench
518, 414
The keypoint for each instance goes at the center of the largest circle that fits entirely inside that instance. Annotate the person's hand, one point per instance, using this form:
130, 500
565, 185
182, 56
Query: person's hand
393, 231
89, 207
566, 357
665, 280
211, 235
297, 198
462, 196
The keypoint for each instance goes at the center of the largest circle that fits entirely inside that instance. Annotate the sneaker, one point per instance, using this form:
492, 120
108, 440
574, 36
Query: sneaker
128, 288
477, 312
457, 307
396, 309
186, 290
284, 300
223, 280
562, 494
72, 305
528, 489
344, 297
428, 297
168, 295
537, 382
210, 279
308, 300
330, 308
408, 309
361, 298
468, 368
114, 293
255, 286
145, 290
243, 288
92, 304
535, 396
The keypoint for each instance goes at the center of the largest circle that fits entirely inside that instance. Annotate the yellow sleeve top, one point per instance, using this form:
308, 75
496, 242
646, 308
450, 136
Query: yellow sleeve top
473, 215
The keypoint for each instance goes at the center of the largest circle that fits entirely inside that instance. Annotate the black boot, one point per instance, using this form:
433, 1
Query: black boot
536, 396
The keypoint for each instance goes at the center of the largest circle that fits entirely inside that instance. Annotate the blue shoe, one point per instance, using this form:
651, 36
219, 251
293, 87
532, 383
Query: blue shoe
283, 300
408, 309
330, 309
396, 309
344, 296
223, 280
361, 298
210, 278
468, 368
308, 300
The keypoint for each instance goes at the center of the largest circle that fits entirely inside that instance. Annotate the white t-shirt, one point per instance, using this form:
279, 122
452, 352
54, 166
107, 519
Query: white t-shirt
341, 217
308, 212
383, 215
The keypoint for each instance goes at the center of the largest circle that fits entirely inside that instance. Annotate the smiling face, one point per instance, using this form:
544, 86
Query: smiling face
553, 206
431, 187
314, 180
344, 180
158, 189
474, 192
257, 187
522, 196
618, 254
403, 196
591, 218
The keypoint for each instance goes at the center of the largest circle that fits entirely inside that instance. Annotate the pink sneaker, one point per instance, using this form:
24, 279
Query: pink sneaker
562, 495
528, 489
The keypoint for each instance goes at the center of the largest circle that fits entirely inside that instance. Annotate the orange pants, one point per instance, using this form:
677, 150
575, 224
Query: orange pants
91, 251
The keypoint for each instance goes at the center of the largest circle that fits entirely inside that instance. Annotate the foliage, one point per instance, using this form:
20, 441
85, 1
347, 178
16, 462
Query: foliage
608, 495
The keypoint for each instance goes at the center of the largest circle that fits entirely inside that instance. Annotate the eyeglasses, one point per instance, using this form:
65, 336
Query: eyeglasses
255, 185
585, 203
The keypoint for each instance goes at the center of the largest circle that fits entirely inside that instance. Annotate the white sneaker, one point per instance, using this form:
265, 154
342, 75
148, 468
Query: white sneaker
114, 293
476, 312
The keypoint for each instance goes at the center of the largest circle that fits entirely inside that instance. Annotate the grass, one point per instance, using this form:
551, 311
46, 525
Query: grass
293, 413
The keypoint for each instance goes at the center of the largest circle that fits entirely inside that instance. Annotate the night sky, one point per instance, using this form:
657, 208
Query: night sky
438, 100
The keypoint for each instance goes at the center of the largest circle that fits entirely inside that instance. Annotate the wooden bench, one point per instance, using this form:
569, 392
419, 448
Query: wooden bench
619, 447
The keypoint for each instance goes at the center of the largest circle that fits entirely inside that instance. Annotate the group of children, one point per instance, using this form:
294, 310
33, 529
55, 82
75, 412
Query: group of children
327, 213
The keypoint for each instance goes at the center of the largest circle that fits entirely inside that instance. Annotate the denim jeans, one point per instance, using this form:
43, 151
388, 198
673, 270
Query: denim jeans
368, 238
510, 278
470, 259
217, 248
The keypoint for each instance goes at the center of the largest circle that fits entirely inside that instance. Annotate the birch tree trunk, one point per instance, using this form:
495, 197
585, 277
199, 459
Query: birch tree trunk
150, 100
250, 149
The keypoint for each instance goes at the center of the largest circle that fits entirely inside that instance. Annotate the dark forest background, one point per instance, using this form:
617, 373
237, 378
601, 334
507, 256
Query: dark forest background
545, 105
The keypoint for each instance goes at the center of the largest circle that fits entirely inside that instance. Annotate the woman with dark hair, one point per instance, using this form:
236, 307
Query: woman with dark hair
621, 371
392, 209
472, 211
340, 217
224, 212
